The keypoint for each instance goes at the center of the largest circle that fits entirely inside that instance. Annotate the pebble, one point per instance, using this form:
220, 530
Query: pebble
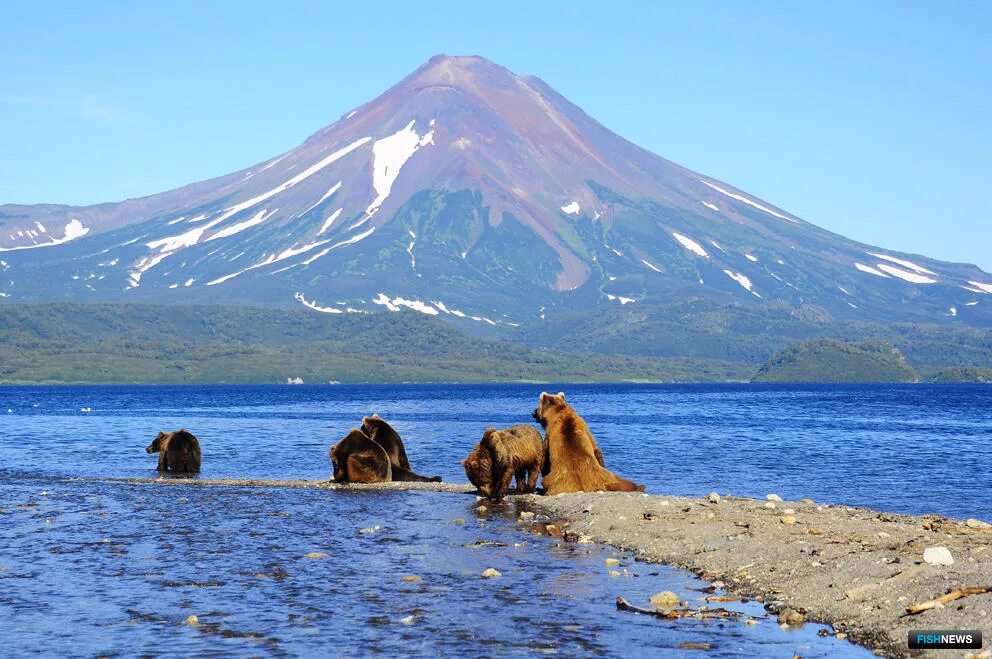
938, 556
459, 520
412, 578
614, 573
789, 511
611, 561
841, 636
976, 523
585, 540
491, 573
191, 621
883, 534
551, 529
481, 509
773, 497
526, 515
713, 497
769, 504
788, 519
791, 617
665, 601
370, 529
751, 622
409, 620
315, 554
664, 503
806, 501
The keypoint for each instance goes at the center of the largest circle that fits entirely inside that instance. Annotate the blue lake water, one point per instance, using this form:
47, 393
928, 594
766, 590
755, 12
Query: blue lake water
91, 567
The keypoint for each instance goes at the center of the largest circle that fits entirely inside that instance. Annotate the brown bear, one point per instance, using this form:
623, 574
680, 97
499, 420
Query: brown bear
178, 451
517, 450
383, 434
357, 459
360, 458
572, 451
547, 459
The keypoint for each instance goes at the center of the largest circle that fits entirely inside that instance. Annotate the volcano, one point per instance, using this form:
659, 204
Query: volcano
476, 195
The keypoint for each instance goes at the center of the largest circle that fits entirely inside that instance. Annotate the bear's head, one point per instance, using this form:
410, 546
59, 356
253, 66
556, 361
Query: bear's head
338, 470
548, 404
371, 424
478, 468
158, 443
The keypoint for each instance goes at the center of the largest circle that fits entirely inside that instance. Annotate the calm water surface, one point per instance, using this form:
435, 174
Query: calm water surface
90, 568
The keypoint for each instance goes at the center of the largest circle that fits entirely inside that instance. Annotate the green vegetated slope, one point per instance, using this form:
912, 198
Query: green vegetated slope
958, 374
827, 360
699, 328
62, 343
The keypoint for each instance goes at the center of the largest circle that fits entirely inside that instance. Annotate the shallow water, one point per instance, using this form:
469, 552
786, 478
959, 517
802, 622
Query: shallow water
91, 567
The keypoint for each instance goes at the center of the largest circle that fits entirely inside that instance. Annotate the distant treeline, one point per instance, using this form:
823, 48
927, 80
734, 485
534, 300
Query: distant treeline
118, 343
105, 343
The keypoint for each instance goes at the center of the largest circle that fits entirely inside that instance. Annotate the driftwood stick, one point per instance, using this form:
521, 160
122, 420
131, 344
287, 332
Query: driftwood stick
861, 593
913, 609
676, 614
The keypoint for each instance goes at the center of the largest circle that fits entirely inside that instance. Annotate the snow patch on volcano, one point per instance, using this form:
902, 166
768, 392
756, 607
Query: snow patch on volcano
73, 230
746, 201
690, 244
388, 157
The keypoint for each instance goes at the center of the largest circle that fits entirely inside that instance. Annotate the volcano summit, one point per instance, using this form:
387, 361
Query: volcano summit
474, 194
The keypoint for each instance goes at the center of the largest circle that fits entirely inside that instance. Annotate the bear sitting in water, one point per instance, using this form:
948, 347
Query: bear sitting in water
178, 451
517, 450
361, 458
357, 459
572, 452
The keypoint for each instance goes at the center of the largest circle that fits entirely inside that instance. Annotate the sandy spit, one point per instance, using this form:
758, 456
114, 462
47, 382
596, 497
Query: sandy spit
455, 488
852, 568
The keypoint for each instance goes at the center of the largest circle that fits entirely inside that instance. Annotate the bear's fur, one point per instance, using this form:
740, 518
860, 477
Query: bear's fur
383, 434
178, 451
501, 455
547, 458
357, 459
572, 452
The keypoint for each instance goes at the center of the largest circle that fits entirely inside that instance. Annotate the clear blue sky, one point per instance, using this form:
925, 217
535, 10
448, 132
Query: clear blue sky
871, 119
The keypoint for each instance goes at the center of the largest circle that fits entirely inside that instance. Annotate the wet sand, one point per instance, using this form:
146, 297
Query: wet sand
855, 569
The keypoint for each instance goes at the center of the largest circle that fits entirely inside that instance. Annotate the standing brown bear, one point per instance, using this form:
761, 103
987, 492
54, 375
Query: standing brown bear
178, 451
572, 452
517, 450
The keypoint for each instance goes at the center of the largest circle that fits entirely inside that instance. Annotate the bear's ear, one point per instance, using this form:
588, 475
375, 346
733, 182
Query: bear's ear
375, 415
160, 435
560, 394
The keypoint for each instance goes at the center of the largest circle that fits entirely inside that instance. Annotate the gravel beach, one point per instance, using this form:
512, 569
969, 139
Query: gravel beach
853, 568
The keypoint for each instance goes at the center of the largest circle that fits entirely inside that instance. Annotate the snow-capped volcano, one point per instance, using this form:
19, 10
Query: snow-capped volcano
468, 192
